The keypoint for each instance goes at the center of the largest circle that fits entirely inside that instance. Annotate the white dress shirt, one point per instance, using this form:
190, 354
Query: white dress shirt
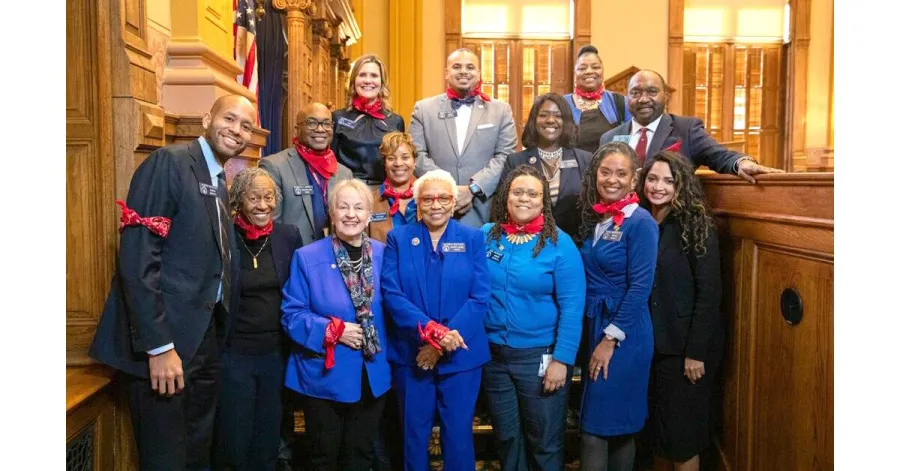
636, 132
463, 116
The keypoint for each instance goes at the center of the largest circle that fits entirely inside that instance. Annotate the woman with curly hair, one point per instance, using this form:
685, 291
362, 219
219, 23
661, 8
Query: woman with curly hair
684, 306
619, 242
533, 323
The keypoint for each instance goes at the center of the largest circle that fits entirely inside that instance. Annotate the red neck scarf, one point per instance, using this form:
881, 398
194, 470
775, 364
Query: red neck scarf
252, 232
532, 227
321, 161
389, 192
594, 95
454, 95
616, 208
362, 105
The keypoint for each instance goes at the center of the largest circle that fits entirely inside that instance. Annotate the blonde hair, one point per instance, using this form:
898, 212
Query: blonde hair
437, 175
355, 184
384, 94
393, 140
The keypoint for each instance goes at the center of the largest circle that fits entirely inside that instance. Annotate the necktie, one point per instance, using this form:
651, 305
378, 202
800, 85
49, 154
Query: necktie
224, 219
641, 148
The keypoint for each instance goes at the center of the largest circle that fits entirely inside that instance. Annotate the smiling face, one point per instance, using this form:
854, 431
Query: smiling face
588, 72
314, 127
549, 123
351, 214
526, 199
462, 72
435, 203
615, 178
646, 97
228, 127
258, 202
368, 81
399, 166
659, 186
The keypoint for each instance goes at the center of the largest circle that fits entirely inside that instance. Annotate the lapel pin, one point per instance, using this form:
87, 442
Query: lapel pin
532, 160
333, 266
415, 241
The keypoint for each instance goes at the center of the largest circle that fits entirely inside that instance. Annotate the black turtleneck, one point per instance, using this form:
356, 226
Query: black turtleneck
355, 253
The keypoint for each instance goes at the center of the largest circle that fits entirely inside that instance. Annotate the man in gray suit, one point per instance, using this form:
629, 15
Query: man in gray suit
306, 172
465, 133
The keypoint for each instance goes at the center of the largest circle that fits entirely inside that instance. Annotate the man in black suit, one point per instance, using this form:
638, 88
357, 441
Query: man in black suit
650, 131
167, 311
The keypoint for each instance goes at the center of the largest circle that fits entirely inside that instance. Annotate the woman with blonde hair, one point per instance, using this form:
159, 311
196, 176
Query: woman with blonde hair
360, 127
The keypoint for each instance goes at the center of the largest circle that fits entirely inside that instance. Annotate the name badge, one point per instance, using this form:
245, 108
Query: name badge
303, 190
623, 138
453, 247
612, 236
494, 256
447, 115
207, 190
568, 164
379, 217
347, 123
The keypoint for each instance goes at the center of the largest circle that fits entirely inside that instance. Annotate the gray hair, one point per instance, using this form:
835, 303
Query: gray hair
354, 183
437, 175
242, 182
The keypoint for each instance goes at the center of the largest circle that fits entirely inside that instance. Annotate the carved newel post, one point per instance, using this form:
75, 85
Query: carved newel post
295, 11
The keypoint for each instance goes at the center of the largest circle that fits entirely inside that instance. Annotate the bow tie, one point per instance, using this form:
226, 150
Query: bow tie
457, 102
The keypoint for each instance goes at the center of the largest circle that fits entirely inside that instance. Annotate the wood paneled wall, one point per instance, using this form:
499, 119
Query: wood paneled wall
778, 378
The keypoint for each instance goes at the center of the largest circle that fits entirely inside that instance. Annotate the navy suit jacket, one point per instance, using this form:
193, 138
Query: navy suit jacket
165, 289
566, 211
285, 239
696, 144
465, 292
314, 293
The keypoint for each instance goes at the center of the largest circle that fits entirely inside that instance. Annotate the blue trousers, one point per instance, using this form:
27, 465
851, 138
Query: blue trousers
248, 420
422, 393
528, 423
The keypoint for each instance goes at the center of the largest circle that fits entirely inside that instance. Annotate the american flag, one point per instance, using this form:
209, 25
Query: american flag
245, 43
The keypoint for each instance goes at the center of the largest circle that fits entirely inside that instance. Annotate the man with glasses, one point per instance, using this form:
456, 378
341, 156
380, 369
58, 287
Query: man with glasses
306, 172
652, 130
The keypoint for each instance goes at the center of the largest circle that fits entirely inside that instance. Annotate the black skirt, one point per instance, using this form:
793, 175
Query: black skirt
680, 423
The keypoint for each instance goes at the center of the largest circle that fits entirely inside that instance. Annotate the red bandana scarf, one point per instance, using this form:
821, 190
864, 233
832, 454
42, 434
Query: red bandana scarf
454, 95
321, 161
594, 95
361, 104
616, 208
389, 192
252, 232
157, 225
533, 227
333, 333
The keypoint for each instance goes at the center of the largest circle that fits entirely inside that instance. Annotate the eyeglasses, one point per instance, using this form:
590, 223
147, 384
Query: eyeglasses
636, 93
312, 124
429, 200
518, 192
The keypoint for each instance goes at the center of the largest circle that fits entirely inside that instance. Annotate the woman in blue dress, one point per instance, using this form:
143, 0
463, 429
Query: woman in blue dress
618, 248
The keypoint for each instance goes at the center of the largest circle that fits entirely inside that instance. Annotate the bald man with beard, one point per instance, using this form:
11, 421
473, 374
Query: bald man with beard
164, 322
306, 172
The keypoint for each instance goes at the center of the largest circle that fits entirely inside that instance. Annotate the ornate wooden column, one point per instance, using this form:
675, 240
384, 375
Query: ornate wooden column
296, 14
675, 68
338, 94
321, 54
797, 72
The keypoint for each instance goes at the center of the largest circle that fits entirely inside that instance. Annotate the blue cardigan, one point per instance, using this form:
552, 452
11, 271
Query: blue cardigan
465, 290
313, 294
536, 302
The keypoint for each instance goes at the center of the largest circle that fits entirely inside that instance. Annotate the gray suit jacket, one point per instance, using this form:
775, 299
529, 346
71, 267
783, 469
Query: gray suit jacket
490, 137
289, 171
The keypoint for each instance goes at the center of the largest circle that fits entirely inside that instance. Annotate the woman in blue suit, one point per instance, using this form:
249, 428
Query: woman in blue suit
436, 290
619, 244
332, 313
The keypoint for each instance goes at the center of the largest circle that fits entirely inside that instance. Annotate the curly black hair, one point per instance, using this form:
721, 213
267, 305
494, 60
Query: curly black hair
689, 204
569, 134
588, 196
500, 212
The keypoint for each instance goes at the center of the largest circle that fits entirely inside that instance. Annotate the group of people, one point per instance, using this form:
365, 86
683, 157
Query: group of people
384, 278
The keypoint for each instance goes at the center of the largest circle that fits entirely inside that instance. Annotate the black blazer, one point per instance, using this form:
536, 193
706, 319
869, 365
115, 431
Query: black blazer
566, 211
696, 144
684, 301
285, 239
164, 289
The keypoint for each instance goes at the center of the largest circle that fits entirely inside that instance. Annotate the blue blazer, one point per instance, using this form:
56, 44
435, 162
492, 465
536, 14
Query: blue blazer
314, 293
465, 292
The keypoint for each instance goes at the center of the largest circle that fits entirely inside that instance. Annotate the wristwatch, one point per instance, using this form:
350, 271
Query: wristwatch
475, 189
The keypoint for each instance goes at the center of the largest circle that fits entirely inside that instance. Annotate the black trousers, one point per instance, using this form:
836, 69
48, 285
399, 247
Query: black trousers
175, 433
341, 434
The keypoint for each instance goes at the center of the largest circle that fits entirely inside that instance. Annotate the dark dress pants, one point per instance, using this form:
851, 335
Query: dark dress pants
175, 433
